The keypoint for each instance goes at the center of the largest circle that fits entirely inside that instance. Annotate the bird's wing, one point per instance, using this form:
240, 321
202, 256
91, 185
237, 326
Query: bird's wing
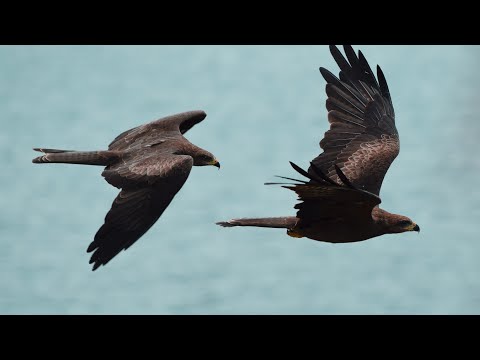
169, 126
362, 140
324, 199
136, 209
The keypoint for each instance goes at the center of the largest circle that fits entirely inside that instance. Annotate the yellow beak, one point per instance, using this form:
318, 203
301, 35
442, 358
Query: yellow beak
215, 163
414, 227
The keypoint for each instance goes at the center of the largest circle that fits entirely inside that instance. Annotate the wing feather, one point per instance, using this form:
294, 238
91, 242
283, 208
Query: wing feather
150, 133
362, 140
135, 210
323, 198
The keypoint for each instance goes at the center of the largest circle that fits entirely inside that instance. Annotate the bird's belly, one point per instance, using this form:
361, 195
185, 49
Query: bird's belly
333, 232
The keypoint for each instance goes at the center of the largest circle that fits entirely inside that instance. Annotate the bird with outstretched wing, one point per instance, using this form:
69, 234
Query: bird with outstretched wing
340, 201
150, 164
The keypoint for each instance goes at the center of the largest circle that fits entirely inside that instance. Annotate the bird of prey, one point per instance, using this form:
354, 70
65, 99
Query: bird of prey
149, 163
340, 201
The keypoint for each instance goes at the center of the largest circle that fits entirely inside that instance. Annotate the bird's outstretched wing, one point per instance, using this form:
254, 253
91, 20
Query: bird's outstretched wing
173, 125
137, 208
363, 140
324, 199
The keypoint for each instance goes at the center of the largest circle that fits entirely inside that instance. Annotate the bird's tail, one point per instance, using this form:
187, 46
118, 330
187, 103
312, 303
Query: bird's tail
75, 157
286, 222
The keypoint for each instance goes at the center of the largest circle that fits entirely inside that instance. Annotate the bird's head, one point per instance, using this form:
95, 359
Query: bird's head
204, 158
401, 224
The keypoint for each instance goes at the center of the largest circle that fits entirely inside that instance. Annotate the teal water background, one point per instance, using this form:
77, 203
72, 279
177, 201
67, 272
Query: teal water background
265, 106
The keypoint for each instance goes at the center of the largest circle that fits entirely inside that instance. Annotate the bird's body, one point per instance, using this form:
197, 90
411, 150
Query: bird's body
150, 164
332, 229
344, 229
340, 201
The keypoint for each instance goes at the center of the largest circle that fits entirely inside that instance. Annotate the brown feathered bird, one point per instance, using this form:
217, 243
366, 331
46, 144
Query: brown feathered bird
149, 163
339, 203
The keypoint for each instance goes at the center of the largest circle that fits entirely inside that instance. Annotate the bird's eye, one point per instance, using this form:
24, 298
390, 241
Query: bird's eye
404, 223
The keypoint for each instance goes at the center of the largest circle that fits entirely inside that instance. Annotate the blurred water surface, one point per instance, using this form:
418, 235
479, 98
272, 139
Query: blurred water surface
265, 106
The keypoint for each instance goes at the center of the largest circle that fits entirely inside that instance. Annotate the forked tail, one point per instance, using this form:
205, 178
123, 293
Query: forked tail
75, 157
286, 222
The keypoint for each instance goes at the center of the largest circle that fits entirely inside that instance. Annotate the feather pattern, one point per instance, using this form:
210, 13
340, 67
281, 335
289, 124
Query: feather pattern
362, 140
133, 213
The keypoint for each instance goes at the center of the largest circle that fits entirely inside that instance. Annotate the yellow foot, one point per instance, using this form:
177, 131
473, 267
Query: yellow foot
294, 233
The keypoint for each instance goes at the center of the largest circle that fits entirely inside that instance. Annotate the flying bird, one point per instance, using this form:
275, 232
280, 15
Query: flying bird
340, 198
149, 163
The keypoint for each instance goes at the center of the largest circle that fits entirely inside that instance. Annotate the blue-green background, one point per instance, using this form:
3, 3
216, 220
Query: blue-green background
265, 106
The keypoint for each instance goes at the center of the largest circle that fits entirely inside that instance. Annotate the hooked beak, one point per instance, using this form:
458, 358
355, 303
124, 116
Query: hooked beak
412, 227
216, 163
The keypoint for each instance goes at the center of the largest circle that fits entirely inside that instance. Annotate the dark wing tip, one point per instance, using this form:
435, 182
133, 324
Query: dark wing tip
340, 59
351, 55
360, 55
93, 245
325, 72
189, 119
198, 113
194, 116
383, 84
300, 170
333, 49
96, 260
